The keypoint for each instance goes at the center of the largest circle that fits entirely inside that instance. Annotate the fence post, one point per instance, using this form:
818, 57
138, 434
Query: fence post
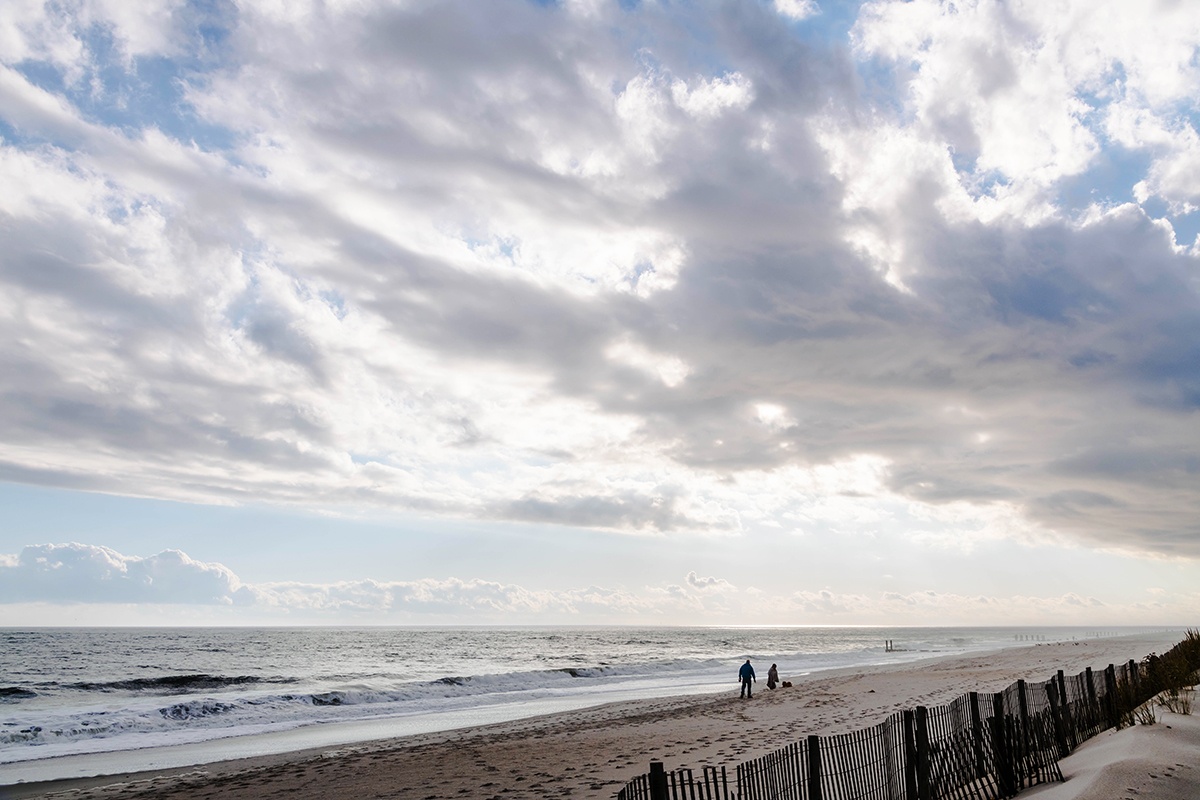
1135, 683
1110, 696
1004, 771
658, 781
1153, 675
1024, 740
1093, 706
922, 720
910, 755
1056, 715
1068, 716
814, 768
977, 735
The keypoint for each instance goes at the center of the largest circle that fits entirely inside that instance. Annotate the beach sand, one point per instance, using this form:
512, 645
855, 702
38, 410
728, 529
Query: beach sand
592, 753
1155, 762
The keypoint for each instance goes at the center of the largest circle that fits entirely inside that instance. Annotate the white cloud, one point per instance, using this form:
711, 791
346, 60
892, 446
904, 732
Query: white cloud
90, 573
35, 108
1014, 89
773, 415
708, 583
66, 35
708, 99
140, 28
30, 29
68, 574
53, 583
797, 9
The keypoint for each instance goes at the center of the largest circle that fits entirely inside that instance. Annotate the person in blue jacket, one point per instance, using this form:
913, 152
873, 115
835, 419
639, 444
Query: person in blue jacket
746, 675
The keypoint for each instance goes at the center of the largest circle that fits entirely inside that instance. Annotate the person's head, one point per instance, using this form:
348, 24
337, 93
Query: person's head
772, 666
747, 661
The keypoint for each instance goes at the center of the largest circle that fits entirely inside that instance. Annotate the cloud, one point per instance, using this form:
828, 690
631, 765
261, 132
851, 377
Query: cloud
626, 511
64, 574
826, 604
424, 598
797, 9
977, 73
56, 582
555, 265
90, 573
708, 583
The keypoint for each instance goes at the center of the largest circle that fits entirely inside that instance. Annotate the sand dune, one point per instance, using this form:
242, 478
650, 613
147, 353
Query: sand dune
1159, 762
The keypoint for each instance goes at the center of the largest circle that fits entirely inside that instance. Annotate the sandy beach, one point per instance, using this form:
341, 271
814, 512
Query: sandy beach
591, 753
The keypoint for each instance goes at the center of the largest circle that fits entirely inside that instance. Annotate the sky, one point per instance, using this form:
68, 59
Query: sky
765, 312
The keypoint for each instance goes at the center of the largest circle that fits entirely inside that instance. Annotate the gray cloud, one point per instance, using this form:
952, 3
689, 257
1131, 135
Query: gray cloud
656, 511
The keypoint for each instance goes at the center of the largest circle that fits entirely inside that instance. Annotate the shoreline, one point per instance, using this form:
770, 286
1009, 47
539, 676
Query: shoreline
592, 752
152, 712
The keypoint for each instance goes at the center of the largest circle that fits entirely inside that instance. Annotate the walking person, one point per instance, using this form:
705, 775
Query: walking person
746, 676
772, 677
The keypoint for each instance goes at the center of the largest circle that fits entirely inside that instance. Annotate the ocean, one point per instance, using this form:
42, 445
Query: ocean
172, 696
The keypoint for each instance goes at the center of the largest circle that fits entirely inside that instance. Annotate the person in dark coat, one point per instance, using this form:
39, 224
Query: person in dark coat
772, 677
746, 675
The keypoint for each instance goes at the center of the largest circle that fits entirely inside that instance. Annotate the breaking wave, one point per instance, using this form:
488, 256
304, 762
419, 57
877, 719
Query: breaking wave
176, 684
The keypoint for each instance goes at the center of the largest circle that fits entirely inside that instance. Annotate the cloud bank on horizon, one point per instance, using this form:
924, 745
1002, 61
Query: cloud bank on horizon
659, 269
79, 575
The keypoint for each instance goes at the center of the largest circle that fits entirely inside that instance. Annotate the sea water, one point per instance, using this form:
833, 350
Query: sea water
211, 692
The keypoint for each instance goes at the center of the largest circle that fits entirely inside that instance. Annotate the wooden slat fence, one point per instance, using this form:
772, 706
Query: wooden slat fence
680, 784
866, 764
979, 747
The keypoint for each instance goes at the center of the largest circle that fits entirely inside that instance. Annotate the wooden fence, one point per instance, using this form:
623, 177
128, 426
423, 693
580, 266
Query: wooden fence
979, 747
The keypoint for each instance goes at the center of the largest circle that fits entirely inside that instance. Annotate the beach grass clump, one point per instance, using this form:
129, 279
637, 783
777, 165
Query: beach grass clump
1129, 702
1178, 701
1133, 708
1167, 681
1176, 673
